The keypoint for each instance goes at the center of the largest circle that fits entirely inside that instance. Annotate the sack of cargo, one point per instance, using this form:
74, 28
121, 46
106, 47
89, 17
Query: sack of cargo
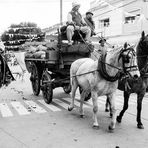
41, 48
39, 54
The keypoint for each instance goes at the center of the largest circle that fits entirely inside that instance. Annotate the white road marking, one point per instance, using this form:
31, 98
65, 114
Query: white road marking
20, 108
60, 103
5, 111
35, 107
76, 102
69, 100
50, 106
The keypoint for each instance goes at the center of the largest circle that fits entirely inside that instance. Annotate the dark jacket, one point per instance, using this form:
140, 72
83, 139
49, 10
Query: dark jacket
91, 24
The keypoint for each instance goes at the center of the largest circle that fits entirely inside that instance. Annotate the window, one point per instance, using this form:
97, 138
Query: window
131, 19
104, 23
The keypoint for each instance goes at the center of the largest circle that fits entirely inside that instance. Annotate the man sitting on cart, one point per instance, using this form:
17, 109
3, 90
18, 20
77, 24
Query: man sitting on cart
89, 21
76, 22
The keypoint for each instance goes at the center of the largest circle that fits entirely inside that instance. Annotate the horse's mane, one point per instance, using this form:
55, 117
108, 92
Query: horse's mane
141, 55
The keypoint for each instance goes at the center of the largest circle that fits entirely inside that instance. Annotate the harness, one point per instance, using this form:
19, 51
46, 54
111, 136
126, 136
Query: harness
102, 67
103, 72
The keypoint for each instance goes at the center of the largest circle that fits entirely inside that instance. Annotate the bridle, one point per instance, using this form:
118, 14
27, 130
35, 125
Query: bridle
126, 59
126, 69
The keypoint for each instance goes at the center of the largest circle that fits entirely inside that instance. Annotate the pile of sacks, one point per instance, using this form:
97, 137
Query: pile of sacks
38, 52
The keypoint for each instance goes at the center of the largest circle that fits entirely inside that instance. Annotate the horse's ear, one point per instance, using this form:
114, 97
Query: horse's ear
142, 34
125, 45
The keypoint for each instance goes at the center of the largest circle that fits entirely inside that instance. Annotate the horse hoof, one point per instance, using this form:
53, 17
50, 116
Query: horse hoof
106, 110
111, 129
111, 115
96, 127
140, 126
70, 108
81, 116
118, 119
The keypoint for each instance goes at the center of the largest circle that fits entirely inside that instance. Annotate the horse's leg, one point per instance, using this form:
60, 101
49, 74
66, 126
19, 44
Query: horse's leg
113, 111
74, 86
95, 108
107, 104
139, 108
83, 94
125, 106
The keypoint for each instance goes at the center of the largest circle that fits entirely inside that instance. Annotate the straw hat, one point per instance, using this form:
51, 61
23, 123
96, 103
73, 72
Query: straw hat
75, 4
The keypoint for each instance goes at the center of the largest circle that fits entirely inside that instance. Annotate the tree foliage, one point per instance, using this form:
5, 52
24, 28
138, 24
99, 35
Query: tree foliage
18, 34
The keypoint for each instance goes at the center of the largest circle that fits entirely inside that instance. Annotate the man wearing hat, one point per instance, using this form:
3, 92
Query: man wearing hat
102, 47
89, 21
99, 49
76, 22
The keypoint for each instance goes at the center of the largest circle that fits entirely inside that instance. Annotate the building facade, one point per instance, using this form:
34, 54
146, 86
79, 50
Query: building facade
119, 19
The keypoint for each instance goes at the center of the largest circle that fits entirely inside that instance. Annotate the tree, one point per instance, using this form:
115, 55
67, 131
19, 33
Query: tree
18, 34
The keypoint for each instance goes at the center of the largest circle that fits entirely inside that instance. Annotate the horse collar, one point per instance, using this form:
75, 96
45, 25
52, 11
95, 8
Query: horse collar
102, 69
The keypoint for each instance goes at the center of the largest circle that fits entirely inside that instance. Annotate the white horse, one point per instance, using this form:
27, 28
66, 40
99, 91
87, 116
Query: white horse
100, 77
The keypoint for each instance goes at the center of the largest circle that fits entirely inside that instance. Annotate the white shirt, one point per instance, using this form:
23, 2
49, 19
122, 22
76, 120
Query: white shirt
2, 47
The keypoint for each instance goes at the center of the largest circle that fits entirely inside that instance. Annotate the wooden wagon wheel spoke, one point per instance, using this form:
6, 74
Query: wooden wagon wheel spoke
47, 89
35, 79
67, 88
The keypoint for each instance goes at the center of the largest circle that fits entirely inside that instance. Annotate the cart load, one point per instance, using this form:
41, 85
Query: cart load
50, 51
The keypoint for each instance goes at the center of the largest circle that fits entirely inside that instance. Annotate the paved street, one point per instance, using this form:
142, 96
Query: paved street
26, 121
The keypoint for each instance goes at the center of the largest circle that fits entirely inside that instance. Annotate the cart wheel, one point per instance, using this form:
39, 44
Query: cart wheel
88, 95
47, 90
28, 66
67, 88
35, 80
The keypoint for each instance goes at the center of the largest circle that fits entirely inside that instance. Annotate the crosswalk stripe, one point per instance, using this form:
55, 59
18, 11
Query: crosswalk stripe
145, 99
100, 101
34, 106
60, 103
20, 108
5, 111
50, 106
77, 103
120, 100
69, 100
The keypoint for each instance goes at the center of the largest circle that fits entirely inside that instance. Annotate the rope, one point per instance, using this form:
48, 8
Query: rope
85, 43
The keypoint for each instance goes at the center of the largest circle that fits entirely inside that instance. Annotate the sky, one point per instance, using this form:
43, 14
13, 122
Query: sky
44, 13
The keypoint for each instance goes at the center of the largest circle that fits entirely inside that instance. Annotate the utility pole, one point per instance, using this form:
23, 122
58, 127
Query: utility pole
61, 13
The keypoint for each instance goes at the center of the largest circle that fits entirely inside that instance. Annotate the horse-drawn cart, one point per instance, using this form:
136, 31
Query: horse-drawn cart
52, 69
